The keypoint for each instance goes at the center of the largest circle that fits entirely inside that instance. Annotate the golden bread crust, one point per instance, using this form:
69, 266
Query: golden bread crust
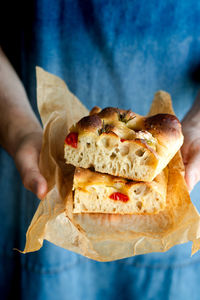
95, 110
109, 119
163, 124
122, 143
90, 123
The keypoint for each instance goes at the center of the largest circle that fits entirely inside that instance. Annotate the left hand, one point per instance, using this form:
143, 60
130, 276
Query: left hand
191, 151
26, 159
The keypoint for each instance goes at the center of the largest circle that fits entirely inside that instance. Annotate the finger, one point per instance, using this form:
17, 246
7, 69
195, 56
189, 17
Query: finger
42, 188
185, 150
192, 171
35, 182
27, 164
184, 153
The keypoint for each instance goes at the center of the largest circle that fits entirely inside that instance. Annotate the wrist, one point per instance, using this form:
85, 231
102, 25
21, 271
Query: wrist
17, 128
17, 117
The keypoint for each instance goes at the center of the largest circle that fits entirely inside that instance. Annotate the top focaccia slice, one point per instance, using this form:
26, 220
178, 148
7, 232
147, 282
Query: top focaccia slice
123, 143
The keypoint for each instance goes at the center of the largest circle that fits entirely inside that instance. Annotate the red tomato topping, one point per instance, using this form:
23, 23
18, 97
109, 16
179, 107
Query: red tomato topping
123, 140
72, 139
119, 196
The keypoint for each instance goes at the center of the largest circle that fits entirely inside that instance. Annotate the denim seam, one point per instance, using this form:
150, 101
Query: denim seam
39, 269
137, 265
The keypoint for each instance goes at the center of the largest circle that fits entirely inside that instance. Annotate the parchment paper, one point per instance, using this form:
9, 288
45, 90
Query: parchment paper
103, 237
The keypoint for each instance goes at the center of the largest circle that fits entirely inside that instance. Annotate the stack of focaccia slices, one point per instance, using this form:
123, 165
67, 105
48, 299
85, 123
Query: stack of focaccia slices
120, 159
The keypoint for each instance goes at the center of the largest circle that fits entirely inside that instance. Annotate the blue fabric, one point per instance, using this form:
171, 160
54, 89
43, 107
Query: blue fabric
110, 53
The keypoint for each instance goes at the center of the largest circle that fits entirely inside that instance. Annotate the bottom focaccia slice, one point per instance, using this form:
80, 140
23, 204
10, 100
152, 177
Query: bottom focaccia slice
102, 193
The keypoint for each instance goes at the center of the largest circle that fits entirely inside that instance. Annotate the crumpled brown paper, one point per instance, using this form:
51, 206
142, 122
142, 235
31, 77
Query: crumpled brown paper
103, 237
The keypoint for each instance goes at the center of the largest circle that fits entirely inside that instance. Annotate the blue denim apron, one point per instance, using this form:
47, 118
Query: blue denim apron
110, 53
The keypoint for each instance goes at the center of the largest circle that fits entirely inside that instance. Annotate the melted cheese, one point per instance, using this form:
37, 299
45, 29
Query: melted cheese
93, 180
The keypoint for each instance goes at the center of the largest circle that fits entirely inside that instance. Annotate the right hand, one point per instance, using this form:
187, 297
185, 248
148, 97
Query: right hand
27, 161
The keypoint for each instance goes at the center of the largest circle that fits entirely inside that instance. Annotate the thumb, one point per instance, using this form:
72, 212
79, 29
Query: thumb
192, 171
26, 160
35, 182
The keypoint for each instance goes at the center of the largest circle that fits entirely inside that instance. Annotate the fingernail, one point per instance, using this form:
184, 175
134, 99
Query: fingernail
42, 191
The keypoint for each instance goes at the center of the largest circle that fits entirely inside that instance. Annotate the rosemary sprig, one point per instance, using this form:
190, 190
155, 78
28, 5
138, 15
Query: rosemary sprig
123, 117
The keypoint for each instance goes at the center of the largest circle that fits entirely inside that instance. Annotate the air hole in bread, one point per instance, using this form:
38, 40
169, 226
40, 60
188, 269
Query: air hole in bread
88, 145
137, 191
145, 191
84, 207
113, 155
140, 152
139, 205
124, 150
91, 167
103, 166
124, 171
116, 150
105, 142
127, 167
79, 159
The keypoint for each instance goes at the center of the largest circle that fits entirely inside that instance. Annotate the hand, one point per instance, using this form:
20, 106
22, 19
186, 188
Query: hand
20, 130
27, 159
191, 151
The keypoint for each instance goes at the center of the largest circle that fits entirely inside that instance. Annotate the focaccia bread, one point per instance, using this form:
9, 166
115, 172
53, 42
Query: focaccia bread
123, 143
101, 193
